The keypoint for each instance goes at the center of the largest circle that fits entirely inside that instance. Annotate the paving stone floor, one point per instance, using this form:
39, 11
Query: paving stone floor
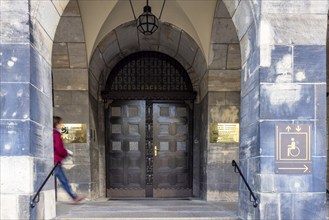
146, 210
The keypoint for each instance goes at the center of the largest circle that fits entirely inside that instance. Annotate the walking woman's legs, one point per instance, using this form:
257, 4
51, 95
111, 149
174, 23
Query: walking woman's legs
62, 178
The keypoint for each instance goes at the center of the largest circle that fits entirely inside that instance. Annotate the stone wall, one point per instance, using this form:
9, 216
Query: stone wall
26, 152
224, 107
283, 83
220, 95
71, 97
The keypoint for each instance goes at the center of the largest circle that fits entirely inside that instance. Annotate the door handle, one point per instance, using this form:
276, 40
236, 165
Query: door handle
155, 151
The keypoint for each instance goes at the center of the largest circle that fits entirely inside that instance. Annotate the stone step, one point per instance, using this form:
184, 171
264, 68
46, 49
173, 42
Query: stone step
147, 209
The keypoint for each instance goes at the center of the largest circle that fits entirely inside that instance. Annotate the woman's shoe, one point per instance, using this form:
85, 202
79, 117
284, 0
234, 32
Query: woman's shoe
78, 199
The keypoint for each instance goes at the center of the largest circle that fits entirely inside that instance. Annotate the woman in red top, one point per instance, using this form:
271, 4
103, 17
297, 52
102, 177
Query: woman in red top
59, 154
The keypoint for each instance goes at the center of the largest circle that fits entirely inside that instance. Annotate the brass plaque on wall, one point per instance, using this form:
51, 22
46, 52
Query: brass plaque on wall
224, 133
74, 133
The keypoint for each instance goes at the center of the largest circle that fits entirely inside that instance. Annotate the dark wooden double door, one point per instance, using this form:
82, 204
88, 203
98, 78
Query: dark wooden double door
149, 149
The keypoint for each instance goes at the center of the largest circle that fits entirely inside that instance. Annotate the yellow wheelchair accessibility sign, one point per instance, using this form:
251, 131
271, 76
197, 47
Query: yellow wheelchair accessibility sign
293, 149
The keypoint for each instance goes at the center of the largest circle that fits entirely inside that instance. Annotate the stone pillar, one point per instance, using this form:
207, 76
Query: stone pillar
26, 152
220, 103
71, 100
284, 83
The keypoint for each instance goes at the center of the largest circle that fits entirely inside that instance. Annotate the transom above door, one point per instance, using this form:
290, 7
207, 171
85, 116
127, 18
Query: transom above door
148, 75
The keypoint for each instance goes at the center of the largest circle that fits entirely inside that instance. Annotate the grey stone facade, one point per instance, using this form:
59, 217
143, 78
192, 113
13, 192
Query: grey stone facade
266, 66
26, 154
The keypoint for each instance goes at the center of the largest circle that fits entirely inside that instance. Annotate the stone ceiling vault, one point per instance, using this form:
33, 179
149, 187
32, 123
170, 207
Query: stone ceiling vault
100, 17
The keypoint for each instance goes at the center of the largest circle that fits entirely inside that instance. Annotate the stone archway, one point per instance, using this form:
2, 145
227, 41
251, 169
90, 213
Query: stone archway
114, 47
34, 31
125, 40
266, 32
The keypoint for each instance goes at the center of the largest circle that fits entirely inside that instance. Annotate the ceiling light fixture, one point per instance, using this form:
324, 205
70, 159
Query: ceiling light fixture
147, 23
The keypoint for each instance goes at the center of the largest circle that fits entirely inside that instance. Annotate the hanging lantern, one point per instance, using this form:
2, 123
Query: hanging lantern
147, 23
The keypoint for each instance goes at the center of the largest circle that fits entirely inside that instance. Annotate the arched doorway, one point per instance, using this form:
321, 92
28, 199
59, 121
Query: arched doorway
148, 128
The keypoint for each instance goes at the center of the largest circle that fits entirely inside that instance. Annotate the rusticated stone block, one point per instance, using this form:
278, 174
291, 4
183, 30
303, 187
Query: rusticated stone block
224, 114
309, 63
287, 29
14, 22
169, 39
109, 48
221, 10
216, 98
41, 141
13, 167
42, 113
204, 86
218, 56
43, 166
234, 57
127, 37
78, 115
224, 31
231, 5
77, 55
294, 7
15, 102
14, 63
62, 97
224, 80
72, 9
93, 86
149, 42
284, 101
40, 75
280, 70
97, 64
69, 30
199, 66
309, 205
243, 18
248, 47
45, 13
269, 205
9, 208
41, 41
70, 79
249, 108
187, 48
232, 98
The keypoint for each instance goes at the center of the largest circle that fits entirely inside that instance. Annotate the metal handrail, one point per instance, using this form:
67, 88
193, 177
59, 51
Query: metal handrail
36, 198
255, 200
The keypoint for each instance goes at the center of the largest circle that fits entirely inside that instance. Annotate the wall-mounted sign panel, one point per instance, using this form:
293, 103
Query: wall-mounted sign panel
224, 133
74, 133
293, 149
